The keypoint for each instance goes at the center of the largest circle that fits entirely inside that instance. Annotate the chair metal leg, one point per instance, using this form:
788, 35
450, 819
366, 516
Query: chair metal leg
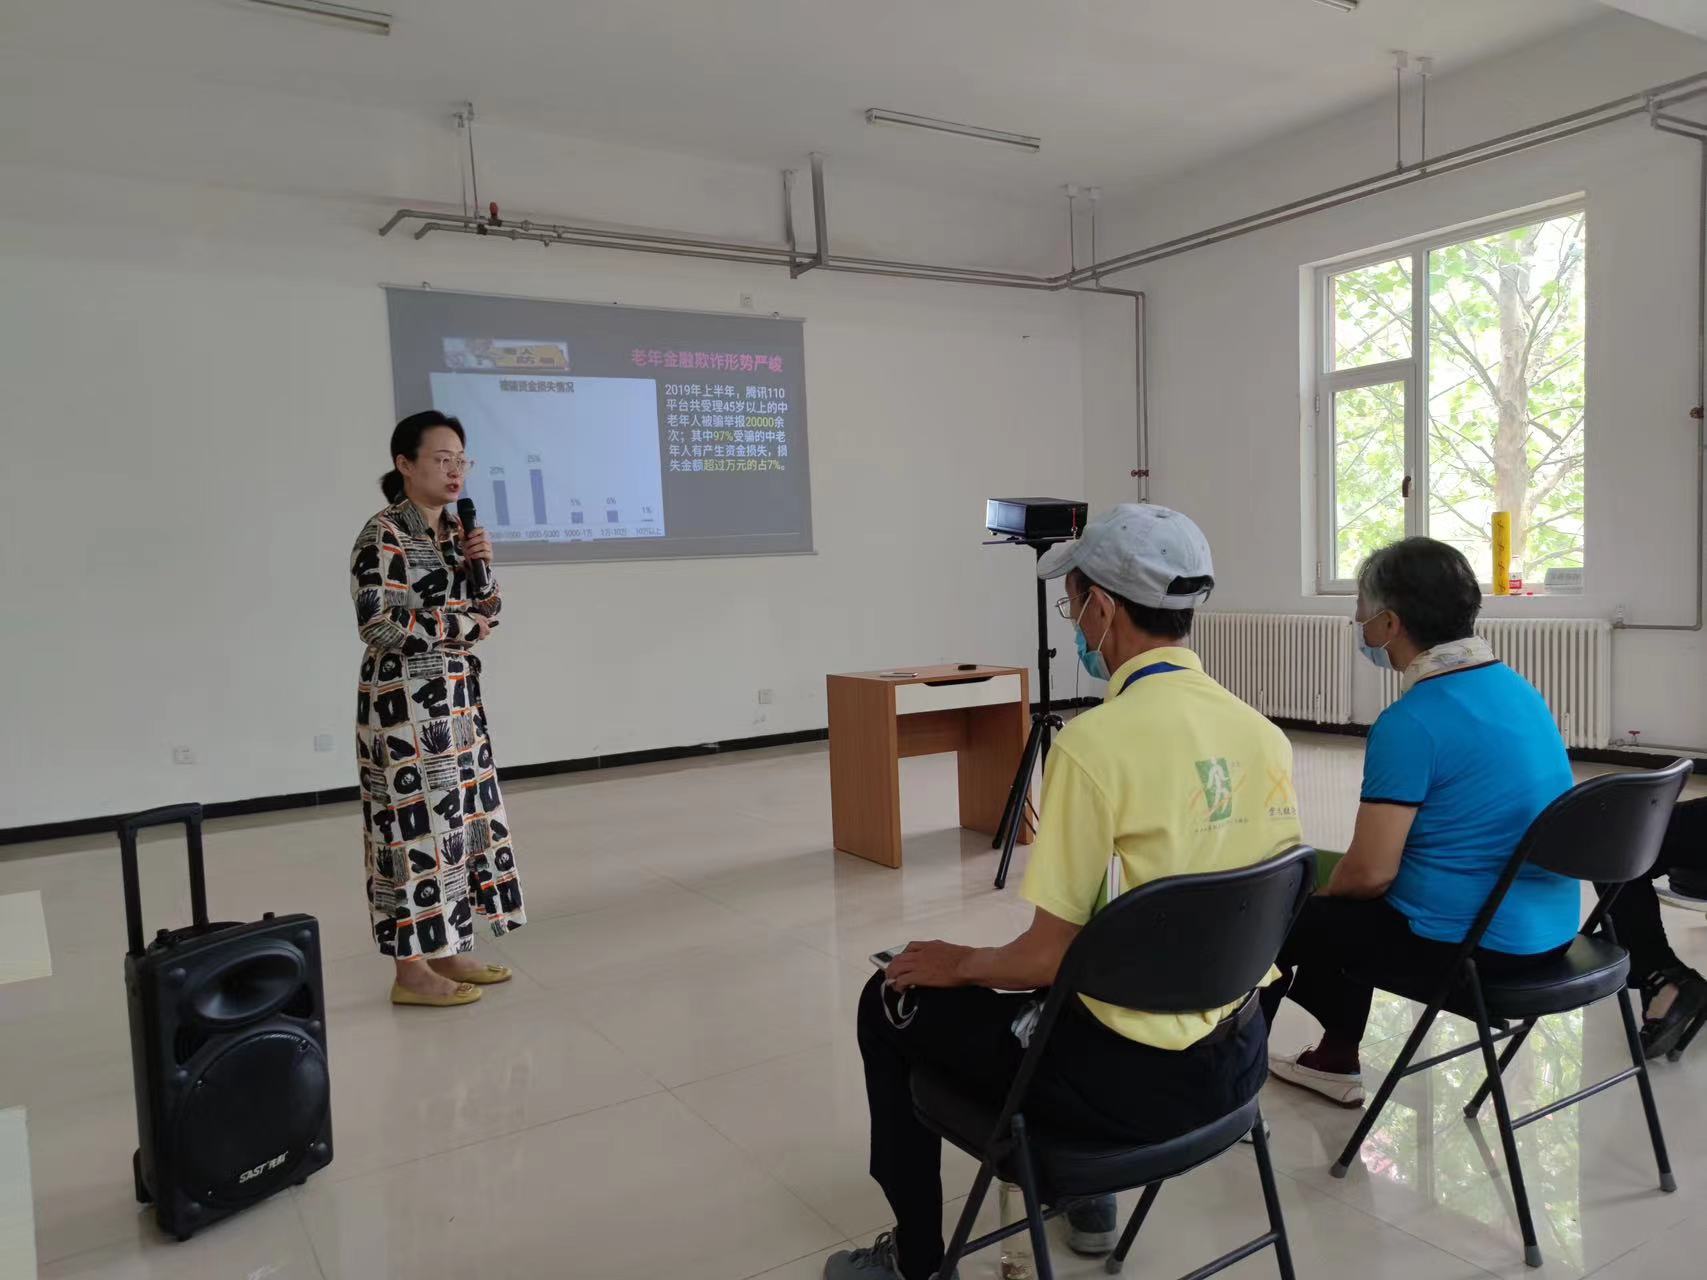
1026, 1173
1502, 1113
1506, 1055
1271, 1198
1667, 1181
968, 1217
1117, 1259
1372, 1112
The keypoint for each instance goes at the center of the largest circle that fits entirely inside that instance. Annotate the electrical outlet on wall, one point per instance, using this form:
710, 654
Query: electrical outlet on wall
183, 755
323, 742
746, 302
765, 697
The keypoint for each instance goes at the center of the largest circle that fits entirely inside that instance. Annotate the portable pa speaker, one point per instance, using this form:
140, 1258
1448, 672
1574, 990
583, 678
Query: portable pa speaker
228, 1046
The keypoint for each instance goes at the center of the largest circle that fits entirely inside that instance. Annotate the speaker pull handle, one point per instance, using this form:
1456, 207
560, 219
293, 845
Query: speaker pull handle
191, 816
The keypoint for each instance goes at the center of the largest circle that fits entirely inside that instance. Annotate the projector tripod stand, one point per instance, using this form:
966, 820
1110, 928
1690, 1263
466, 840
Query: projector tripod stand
1044, 725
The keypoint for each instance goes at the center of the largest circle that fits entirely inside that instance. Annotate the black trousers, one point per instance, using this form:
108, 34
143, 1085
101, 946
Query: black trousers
1091, 1083
1636, 912
1372, 936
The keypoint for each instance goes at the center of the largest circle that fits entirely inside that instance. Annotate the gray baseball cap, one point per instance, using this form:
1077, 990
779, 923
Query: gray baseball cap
1140, 552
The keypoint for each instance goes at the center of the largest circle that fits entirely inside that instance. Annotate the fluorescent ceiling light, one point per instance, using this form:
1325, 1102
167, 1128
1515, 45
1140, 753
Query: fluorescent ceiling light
1024, 141
1344, 6
367, 19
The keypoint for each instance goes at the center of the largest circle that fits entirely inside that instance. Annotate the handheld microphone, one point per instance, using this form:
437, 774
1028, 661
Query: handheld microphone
479, 572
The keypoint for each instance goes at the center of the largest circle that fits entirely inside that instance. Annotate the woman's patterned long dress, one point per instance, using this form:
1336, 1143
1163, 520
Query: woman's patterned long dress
435, 836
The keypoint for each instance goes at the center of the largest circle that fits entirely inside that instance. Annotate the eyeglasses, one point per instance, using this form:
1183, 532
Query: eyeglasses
453, 464
1064, 607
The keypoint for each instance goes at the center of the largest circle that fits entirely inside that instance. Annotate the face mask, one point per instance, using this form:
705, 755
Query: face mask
1095, 665
1377, 654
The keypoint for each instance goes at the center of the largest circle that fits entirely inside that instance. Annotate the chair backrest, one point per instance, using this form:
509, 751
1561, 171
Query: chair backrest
1178, 945
1608, 829
1187, 943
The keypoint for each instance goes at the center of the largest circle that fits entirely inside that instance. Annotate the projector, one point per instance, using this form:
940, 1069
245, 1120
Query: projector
1035, 519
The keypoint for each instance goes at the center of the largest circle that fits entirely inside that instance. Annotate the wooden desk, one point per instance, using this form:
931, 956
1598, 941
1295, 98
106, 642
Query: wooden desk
982, 716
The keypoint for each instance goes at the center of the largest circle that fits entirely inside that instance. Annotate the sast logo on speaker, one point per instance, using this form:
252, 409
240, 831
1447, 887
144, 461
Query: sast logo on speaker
259, 1169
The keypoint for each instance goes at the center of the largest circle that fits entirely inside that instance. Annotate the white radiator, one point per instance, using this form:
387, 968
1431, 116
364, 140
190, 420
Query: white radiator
1568, 659
1293, 665
1299, 666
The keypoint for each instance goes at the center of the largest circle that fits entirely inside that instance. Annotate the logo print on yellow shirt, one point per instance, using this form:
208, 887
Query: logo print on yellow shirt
1280, 800
1216, 779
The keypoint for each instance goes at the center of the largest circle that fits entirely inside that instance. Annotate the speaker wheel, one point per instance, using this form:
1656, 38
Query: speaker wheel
142, 1195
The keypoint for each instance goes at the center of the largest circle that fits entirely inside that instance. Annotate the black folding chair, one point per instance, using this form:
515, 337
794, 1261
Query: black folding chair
1608, 831
1171, 946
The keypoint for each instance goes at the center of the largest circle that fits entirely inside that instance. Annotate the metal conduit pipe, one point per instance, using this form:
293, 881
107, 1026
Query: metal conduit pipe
548, 239
1140, 359
1532, 135
845, 266
1448, 162
1699, 412
1393, 183
718, 250
1141, 378
471, 223
971, 273
1647, 100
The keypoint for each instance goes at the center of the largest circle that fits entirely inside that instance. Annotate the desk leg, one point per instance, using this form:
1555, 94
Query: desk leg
865, 774
995, 740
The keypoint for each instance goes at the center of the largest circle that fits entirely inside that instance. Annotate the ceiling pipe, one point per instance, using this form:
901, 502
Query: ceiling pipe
1519, 140
1652, 100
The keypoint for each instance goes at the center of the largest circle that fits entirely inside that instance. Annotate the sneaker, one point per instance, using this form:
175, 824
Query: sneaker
879, 1262
1344, 1089
1094, 1227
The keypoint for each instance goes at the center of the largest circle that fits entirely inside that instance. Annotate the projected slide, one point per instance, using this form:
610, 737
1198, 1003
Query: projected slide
604, 432
560, 459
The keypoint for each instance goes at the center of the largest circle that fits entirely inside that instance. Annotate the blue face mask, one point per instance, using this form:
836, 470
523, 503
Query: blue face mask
1091, 659
1095, 665
1377, 655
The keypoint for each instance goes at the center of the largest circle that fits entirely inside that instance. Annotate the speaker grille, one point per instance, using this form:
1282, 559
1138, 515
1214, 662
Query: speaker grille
250, 1117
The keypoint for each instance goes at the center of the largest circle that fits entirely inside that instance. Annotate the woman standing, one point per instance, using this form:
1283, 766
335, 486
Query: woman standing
434, 832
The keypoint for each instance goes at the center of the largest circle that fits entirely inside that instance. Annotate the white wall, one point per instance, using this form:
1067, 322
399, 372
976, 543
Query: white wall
197, 402
1226, 416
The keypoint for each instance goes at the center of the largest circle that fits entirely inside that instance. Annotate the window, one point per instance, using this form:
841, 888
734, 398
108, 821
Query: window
1449, 386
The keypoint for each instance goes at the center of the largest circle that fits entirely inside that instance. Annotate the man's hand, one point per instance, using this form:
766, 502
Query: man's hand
928, 964
477, 546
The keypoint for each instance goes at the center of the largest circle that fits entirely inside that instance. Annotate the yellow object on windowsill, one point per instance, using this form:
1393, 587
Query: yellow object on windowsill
1502, 553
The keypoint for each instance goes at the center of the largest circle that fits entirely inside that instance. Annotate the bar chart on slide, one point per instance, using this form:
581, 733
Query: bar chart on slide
560, 459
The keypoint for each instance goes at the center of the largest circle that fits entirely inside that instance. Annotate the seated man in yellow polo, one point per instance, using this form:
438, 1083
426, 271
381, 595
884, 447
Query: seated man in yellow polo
1171, 775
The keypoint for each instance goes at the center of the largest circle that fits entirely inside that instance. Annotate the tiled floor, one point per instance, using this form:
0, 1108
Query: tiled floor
671, 1088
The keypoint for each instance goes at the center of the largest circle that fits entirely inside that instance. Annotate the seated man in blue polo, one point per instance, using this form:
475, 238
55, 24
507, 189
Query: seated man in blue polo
1455, 772
1171, 775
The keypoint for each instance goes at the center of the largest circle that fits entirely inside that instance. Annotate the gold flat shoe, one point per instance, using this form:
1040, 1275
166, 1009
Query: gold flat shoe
465, 993
488, 975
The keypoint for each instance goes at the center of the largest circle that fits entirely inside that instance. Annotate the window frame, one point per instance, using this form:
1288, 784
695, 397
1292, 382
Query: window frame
1413, 370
